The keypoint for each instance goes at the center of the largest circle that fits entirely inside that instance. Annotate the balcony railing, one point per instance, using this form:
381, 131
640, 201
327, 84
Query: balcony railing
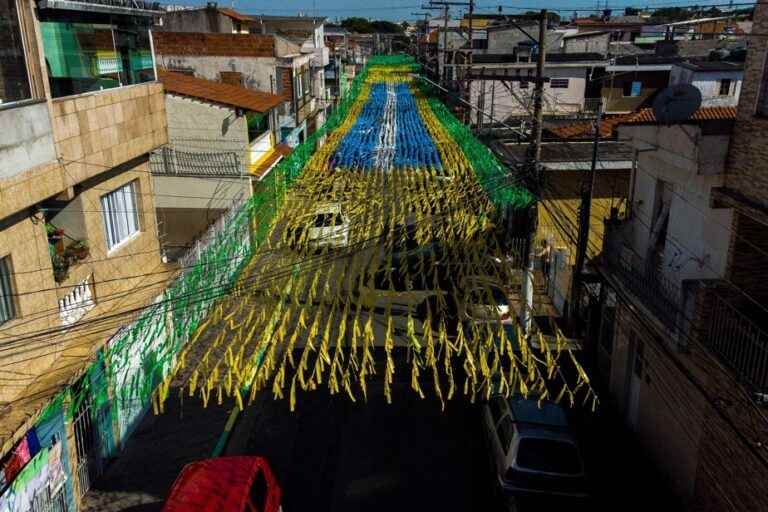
740, 343
169, 161
74, 305
657, 293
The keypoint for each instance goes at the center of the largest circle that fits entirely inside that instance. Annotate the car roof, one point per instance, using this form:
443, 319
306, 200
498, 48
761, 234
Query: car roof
530, 412
216, 485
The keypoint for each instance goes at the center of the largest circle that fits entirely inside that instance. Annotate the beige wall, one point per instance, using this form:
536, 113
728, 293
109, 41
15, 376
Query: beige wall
115, 289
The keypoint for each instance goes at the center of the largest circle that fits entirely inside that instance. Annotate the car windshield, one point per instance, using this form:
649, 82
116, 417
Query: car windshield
548, 455
323, 220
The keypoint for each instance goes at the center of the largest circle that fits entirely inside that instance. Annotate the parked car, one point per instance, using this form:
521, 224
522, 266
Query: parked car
533, 451
327, 226
225, 484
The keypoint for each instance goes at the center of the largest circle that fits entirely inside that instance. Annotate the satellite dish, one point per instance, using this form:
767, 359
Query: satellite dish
677, 103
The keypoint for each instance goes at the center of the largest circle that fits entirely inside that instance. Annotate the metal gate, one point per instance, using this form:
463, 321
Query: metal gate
47, 501
86, 444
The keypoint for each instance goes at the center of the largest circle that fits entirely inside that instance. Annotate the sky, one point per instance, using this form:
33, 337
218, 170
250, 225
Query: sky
396, 10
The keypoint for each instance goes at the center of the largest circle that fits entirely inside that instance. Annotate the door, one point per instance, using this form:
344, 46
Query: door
634, 379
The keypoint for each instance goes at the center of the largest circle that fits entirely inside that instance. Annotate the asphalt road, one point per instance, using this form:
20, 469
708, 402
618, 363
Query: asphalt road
335, 455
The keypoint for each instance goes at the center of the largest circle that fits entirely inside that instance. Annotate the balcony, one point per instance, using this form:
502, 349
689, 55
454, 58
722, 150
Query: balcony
658, 295
79, 301
66, 252
735, 337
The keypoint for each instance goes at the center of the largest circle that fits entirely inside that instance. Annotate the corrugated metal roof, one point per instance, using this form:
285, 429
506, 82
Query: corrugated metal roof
216, 92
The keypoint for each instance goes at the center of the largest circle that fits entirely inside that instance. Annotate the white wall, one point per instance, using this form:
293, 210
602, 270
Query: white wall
508, 103
709, 85
697, 236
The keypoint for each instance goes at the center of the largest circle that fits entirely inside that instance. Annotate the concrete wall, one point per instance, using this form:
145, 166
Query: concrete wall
190, 119
597, 43
698, 236
708, 83
504, 40
27, 138
517, 101
200, 20
256, 71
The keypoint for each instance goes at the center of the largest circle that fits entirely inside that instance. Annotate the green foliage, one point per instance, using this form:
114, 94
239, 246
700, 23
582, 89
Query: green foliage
363, 26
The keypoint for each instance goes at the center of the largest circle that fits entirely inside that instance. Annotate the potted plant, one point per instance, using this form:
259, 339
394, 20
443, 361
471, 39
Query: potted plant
60, 266
55, 237
78, 250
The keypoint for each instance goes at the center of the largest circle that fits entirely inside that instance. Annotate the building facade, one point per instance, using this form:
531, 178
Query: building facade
685, 357
82, 110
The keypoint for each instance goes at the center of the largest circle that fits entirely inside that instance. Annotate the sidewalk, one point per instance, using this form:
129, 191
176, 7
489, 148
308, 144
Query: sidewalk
140, 478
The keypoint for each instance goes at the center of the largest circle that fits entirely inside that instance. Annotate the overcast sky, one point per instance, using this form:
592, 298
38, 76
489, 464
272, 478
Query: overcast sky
402, 9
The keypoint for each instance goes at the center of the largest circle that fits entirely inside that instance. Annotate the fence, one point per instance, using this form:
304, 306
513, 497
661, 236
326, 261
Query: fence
739, 342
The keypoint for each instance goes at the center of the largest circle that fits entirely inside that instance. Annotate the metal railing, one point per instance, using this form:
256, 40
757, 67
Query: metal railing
657, 293
740, 343
172, 162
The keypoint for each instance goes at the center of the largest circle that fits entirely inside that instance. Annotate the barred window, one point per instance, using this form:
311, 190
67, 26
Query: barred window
558, 83
7, 307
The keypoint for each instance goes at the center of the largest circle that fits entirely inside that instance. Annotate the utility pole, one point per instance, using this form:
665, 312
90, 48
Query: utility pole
468, 83
585, 210
534, 169
426, 32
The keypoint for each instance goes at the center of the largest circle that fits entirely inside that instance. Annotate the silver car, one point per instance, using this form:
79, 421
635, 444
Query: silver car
533, 450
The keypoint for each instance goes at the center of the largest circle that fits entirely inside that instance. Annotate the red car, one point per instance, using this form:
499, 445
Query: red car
224, 484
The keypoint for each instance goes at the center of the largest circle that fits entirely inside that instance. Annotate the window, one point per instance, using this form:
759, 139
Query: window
632, 89
505, 431
14, 82
258, 124
496, 405
558, 83
725, 87
88, 52
121, 217
549, 456
7, 308
259, 493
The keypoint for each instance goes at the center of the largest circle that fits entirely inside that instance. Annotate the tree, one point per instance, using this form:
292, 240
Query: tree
356, 24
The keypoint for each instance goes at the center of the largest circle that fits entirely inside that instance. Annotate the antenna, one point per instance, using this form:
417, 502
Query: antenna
677, 103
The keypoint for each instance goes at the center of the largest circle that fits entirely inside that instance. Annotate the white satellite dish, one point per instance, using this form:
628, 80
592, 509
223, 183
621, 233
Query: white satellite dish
677, 103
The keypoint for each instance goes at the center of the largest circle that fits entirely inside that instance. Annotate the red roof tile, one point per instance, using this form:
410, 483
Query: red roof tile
216, 92
220, 45
234, 14
647, 115
584, 129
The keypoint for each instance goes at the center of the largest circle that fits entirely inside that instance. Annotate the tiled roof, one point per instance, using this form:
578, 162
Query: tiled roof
234, 14
584, 129
260, 169
215, 92
646, 115
220, 45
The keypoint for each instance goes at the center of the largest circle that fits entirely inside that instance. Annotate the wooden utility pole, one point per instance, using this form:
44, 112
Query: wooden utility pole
585, 210
534, 170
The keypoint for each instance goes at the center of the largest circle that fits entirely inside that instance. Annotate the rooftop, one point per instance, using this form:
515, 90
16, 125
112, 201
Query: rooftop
647, 116
613, 20
563, 151
216, 92
712, 65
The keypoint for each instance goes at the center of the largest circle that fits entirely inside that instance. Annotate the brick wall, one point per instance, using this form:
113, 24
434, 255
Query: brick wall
223, 45
747, 165
95, 132
285, 88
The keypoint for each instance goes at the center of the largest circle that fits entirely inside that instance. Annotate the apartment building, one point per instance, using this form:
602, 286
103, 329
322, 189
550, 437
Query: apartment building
223, 137
683, 346
267, 63
80, 111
